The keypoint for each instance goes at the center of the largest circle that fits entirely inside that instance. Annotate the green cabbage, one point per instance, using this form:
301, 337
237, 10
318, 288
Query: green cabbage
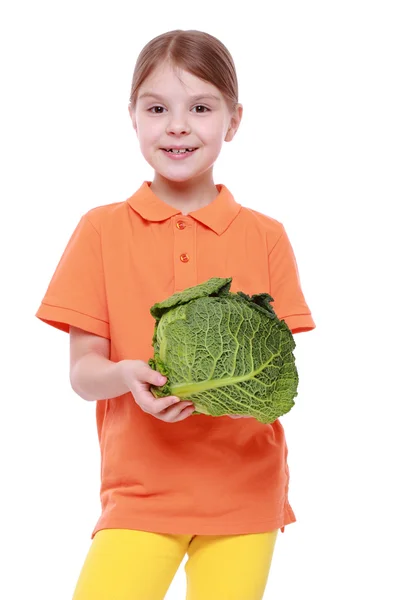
227, 352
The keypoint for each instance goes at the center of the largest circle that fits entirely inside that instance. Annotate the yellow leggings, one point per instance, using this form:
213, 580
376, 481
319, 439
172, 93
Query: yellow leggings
125, 564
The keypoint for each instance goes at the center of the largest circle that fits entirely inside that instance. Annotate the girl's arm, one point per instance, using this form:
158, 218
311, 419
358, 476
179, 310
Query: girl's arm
92, 375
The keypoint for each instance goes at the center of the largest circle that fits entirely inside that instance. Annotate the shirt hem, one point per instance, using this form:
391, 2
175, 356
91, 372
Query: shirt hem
191, 528
300, 322
61, 318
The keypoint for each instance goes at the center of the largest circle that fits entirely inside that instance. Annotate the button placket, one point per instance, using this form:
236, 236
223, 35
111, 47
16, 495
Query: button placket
184, 253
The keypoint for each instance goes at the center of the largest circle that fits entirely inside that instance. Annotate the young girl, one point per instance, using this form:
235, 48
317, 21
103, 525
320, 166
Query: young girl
173, 483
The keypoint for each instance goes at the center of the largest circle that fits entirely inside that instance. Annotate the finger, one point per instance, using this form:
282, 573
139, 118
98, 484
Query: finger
184, 414
147, 375
163, 404
155, 406
240, 416
177, 413
158, 379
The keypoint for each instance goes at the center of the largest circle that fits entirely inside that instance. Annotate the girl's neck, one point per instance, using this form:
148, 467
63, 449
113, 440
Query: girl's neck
186, 196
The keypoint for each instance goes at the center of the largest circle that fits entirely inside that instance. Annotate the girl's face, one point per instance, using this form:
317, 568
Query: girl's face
182, 110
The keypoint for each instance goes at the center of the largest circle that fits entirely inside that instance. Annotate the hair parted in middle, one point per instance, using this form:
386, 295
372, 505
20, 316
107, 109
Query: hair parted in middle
196, 52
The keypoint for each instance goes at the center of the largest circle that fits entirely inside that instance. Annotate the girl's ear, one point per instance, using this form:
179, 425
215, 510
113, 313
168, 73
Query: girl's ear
234, 123
132, 116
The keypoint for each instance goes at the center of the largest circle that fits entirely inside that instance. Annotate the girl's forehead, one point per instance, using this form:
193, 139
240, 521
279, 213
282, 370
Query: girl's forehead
171, 75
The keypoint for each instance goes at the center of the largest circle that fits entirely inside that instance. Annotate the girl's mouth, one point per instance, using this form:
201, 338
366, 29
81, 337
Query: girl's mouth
179, 155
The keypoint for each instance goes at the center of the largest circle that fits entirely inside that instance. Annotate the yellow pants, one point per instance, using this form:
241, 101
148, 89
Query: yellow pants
125, 564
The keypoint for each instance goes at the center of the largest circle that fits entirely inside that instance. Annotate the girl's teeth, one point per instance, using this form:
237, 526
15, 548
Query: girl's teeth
179, 151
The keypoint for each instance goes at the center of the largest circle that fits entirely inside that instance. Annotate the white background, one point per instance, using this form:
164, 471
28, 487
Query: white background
317, 149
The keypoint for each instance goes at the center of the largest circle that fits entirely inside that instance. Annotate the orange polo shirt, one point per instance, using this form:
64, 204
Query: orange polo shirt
204, 475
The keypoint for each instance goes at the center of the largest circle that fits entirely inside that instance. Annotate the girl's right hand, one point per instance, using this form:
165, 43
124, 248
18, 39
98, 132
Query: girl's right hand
138, 376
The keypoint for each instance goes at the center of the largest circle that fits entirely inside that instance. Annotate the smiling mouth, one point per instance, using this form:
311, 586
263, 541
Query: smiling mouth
183, 151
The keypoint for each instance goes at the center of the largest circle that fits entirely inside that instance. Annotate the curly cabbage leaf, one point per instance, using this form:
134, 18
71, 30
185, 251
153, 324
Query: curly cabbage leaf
227, 352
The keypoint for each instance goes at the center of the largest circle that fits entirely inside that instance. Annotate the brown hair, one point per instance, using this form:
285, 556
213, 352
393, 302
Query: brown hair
197, 52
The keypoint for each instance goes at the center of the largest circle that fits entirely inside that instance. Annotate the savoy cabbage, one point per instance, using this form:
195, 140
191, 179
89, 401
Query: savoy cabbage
226, 352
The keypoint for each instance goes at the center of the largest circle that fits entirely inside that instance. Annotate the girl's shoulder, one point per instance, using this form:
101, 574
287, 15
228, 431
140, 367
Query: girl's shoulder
271, 226
98, 215
263, 218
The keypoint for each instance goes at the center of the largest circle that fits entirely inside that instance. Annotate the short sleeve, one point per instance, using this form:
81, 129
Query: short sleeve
76, 294
289, 302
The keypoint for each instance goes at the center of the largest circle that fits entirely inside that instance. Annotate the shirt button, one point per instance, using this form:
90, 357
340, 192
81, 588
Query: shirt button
181, 224
184, 257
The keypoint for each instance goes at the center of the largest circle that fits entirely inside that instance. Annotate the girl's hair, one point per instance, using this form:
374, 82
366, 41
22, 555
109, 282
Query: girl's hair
197, 52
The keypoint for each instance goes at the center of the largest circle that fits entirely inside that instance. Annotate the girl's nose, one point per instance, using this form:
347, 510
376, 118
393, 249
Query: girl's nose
178, 124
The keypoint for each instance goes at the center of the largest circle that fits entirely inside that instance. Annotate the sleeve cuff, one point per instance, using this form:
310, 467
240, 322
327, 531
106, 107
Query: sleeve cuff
62, 318
299, 323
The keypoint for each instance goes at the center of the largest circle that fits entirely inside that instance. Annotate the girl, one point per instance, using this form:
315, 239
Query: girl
171, 482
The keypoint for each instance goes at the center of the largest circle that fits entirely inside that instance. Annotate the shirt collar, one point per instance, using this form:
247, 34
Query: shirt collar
217, 215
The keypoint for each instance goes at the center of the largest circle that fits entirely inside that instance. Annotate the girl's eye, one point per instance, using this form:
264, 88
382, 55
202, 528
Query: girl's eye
201, 106
159, 113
